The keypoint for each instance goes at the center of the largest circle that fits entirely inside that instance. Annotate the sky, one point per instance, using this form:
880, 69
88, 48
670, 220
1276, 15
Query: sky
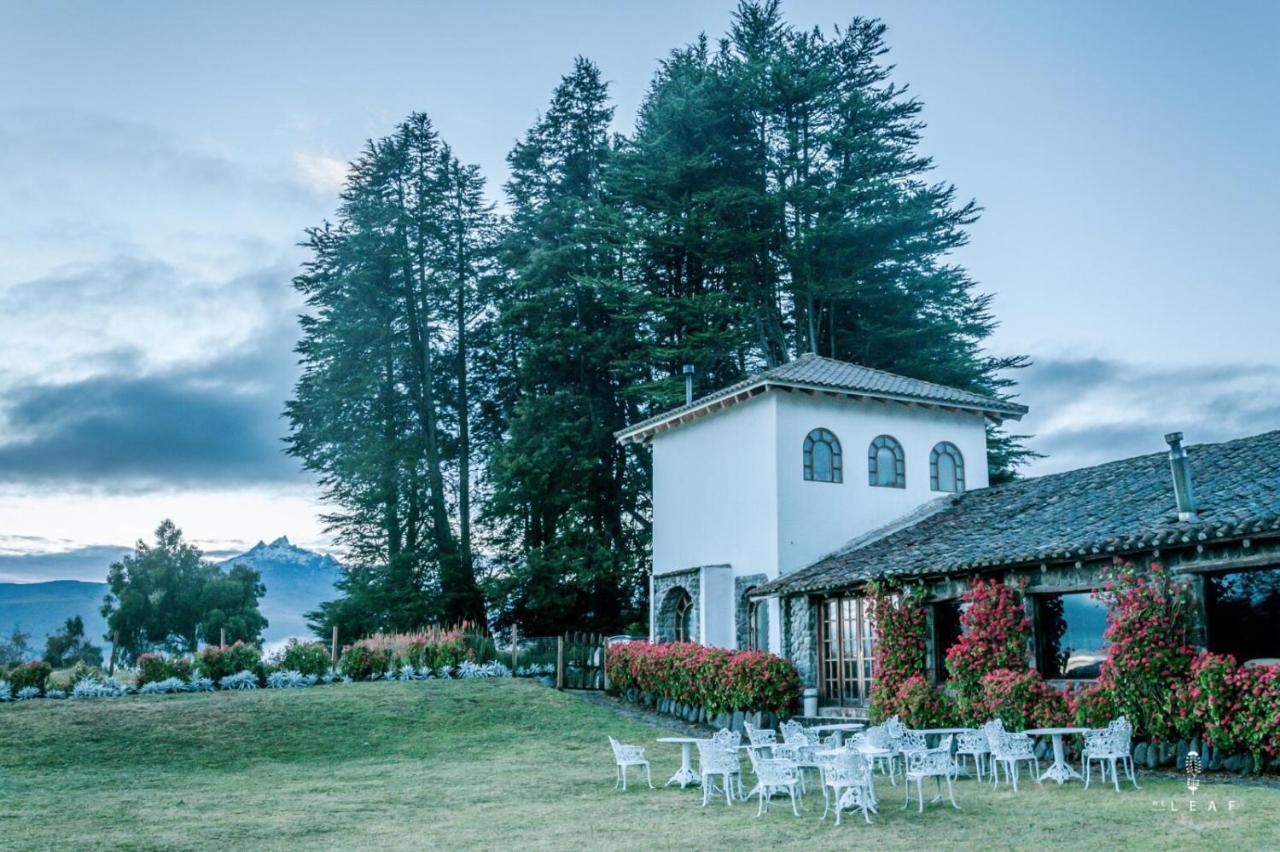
160, 161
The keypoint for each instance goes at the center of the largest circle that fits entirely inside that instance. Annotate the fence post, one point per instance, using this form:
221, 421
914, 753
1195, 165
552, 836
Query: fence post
604, 661
115, 640
515, 648
559, 662
333, 651
222, 638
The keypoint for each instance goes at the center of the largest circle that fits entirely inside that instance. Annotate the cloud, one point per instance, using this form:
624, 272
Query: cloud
130, 376
323, 175
1090, 410
87, 563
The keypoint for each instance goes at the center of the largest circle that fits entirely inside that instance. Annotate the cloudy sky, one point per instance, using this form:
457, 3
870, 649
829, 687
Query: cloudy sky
158, 163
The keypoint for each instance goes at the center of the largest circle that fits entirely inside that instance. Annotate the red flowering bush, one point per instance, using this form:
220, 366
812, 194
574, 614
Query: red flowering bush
1021, 699
34, 673
1090, 707
1256, 724
995, 630
1148, 619
899, 624
216, 663
920, 704
157, 667
714, 678
1207, 701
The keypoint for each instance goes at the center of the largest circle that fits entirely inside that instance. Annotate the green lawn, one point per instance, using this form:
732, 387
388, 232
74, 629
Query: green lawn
483, 764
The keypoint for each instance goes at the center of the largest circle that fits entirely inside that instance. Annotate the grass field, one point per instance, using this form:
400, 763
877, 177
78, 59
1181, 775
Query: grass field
485, 764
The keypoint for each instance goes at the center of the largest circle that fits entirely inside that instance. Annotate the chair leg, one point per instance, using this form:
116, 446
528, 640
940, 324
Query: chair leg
760, 808
792, 791
1115, 775
1008, 770
1128, 765
919, 793
706, 789
623, 770
728, 790
951, 791
1088, 764
648, 775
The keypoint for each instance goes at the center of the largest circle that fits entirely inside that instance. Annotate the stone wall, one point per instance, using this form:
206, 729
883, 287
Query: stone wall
800, 638
663, 598
742, 607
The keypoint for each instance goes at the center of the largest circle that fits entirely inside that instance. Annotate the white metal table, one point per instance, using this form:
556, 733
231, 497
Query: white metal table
838, 728
1060, 771
684, 775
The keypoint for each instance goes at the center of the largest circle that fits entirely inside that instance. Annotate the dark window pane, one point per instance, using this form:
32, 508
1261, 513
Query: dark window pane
1244, 614
1070, 632
946, 632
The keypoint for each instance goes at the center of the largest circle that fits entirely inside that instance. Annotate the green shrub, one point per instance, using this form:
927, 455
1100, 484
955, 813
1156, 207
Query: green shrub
35, 673
360, 662
309, 658
216, 663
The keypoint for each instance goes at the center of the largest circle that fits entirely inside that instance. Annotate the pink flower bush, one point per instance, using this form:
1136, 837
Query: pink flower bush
1021, 699
995, 631
715, 678
899, 626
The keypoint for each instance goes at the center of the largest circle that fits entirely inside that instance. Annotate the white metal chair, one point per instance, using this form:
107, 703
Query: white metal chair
935, 763
1112, 745
847, 784
760, 737
730, 742
629, 755
878, 748
716, 761
774, 775
972, 744
1008, 750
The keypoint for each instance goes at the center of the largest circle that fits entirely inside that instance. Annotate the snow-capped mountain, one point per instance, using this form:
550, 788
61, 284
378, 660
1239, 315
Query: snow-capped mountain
297, 581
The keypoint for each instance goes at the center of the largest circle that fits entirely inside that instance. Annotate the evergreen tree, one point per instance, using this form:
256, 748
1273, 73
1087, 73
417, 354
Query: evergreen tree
384, 407
566, 500
781, 207
68, 646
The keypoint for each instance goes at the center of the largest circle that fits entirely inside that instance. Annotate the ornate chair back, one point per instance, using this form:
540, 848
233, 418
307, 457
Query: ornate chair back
760, 736
715, 759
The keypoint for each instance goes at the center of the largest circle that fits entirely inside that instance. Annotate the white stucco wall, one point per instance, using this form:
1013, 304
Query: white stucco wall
714, 491
815, 518
717, 623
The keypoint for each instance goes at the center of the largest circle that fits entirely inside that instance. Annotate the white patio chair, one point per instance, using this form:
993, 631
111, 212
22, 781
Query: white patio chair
773, 776
846, 783
972, 744
935, 763
1112, 745
730, 742
629, 755
764, 738
1008, 750
716, 761
878, 748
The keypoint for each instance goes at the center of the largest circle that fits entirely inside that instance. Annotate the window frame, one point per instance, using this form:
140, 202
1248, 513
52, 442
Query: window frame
823, 435
680, 618
953, 452
847, 679
891, 443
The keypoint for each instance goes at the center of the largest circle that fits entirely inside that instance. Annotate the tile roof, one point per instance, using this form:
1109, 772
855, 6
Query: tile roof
1122, 506
814, 371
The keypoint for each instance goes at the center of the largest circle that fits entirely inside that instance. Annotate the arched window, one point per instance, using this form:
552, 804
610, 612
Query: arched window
946, 468
757, 622
886, 466
680, 625
822, 457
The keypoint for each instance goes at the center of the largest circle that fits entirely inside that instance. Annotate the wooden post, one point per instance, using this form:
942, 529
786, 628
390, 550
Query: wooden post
559, 662
222, 638
515, 649
333, 651
111, 666
604, 658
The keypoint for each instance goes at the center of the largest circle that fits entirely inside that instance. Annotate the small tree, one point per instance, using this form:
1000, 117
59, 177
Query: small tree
68, 646
167, 597
14, 649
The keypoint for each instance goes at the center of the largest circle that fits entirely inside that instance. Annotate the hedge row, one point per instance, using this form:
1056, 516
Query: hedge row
715, 678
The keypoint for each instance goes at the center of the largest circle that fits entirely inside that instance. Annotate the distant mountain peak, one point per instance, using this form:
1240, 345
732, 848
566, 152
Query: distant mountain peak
282, 541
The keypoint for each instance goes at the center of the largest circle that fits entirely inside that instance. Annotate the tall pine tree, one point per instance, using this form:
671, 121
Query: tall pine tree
566, 499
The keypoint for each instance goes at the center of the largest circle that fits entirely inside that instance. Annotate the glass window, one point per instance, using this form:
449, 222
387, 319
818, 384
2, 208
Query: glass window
845, 648
1069, 633
681, 623
1243, 612
886, 465
822, 461
946, 468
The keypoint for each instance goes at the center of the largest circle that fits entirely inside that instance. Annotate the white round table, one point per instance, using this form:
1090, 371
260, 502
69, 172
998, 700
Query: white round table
1060, 771
684, 775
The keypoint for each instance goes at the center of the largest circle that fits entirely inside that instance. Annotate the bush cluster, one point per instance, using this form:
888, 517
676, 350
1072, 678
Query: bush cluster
715, 678
32, 675
217, 663
307, 658
384, 655
153, 668
900, 630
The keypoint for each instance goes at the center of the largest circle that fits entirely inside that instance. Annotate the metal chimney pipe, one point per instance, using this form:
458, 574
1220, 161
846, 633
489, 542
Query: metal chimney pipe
1181, 468
688, 383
